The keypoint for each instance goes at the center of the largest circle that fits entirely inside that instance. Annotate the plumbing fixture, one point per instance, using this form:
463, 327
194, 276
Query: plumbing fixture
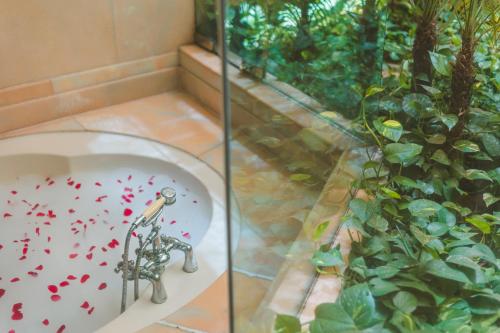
154, 249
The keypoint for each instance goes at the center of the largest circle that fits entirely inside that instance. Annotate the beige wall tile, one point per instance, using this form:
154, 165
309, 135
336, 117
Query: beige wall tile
63, 124
25, 92
205, 93
150, 27
41, 39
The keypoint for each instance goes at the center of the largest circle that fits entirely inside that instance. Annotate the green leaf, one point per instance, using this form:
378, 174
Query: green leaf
450, 120
378, 223
405, 301
437, 229
423, 208
475, 174
405, 181
381, 287
384, 272
421, 236
416, 104
431, 90
299, 177
440, 269
441, 157
373, 90
330, 258
491, 144
436, 139
479, 222
361, 209
320, 230
391, 129
440, 63
286, 324
490, 199
332, 318
466, 146
390, 193
359, 303
463, 211
402, 153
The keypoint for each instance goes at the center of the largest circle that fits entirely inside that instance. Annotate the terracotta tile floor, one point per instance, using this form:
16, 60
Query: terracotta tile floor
272, 206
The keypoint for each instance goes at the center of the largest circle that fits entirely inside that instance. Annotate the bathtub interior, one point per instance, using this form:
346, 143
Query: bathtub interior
63, 221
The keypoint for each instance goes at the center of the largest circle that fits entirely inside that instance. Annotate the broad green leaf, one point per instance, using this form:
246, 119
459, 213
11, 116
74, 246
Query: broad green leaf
391, 129
381, 287
475, 174
286, 324
320, 230
421, 236
440, 157
484, 304
378, 223
466, 146
405, 301
440, 63
405, 181
479, 222
332, 318
437, 229
330, 258
416, 104
390, 193
490, 199
423, 208
436, 139
299, 177
463, 211
450, 120
446, 217
491, 143
469, 267
270, 142
359, 303
373, 90
431, 90
384, 272
402, 153
361, 209
440, 269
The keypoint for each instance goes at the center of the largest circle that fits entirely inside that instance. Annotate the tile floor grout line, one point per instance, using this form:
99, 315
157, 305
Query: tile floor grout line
183, 328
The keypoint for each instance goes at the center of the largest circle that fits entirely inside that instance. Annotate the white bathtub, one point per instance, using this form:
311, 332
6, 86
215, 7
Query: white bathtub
60, 241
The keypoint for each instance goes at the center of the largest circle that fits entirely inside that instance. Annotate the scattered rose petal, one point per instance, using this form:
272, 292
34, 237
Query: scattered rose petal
77, 186
7, 215
85, 305
90, 311
127, 212
73, 255
61, 329
53, 289
102, 286
46, 322
55, 298
2, 292
64, 284
84, 278
39, 267
98, 184
16, 279
104, 263
71, 277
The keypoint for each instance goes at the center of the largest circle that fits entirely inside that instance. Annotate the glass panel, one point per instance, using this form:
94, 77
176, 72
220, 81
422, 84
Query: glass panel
297, 72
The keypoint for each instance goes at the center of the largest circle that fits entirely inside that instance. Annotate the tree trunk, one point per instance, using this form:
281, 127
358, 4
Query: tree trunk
425, 42
462, 81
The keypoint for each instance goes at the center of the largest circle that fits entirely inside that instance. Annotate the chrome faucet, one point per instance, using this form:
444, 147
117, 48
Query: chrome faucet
155, 250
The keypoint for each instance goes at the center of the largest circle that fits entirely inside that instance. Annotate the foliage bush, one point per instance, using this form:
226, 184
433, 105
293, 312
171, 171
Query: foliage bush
428, 258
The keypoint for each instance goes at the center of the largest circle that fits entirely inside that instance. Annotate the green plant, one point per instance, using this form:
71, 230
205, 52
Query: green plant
428, 256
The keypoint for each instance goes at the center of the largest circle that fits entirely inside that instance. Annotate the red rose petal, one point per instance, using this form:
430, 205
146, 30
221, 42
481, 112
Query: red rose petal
6, 215
2, 292
17, 316
84, 278
77, 186
90, 311
73, 255
127, 212
85, 305
104, 263
89, 256
13, 192
71, 277
61, 329
102, 286
52, 288
17, 307
98, 184
64, 284
39, 267
55, 298
16, 279
46, 322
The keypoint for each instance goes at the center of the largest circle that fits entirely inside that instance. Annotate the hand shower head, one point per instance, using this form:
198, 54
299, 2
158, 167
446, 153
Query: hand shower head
169, 195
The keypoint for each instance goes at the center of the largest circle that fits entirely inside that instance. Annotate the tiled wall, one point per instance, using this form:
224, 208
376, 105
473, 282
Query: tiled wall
44, 39
60, 57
